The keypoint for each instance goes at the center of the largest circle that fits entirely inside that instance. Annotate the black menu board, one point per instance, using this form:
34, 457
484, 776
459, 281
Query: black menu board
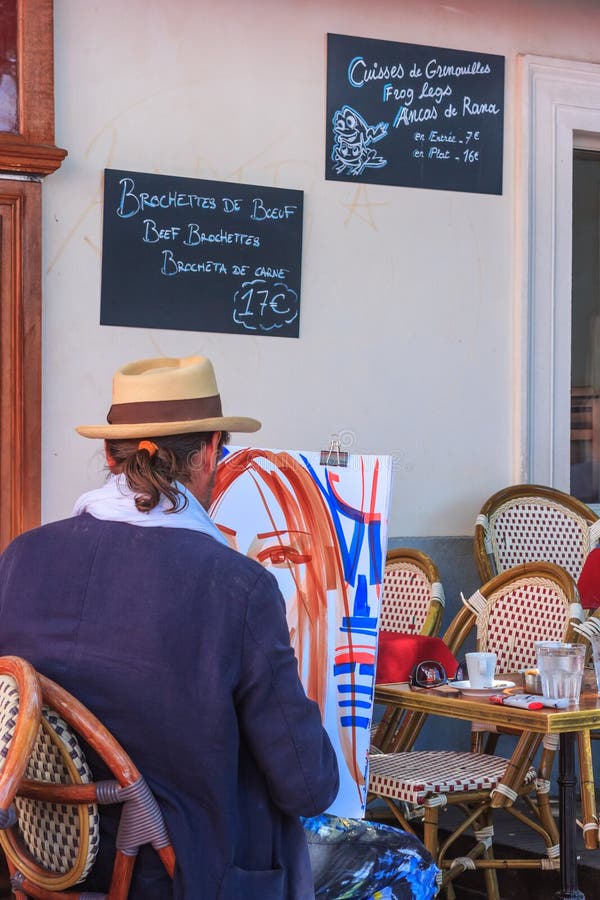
199, 255
411, 115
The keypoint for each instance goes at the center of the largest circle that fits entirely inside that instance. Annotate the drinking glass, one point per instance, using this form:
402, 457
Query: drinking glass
561, 668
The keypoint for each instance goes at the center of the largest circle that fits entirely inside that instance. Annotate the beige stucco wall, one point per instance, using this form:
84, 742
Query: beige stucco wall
407, 320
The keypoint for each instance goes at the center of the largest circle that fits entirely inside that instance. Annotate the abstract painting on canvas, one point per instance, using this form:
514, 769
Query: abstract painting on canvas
321, 529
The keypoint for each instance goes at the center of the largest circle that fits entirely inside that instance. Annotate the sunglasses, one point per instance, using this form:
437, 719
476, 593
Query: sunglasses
430, 673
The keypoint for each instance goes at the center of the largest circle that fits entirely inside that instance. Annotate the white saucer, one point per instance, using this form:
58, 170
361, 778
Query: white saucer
465, 688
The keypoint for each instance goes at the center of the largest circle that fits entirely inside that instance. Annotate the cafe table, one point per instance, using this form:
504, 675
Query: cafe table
566, 723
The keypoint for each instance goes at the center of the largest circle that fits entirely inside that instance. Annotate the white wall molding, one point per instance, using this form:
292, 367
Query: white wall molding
558, 100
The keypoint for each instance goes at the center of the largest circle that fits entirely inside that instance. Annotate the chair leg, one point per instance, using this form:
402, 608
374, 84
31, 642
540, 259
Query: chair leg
477, 738
544, 811
588, 791
490, 875
167, 855
503, 793
484, 738
409, 732
430, 830
393, 808
387, 727
121, 877
491, 742
450, 892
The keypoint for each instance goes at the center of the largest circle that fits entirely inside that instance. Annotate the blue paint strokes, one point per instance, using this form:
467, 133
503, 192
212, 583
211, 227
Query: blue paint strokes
344, 668
366, 631
361, 599
366, 669
354, 689
374, 534
366, 622
351, 554
360, 704
355, 721
360, 622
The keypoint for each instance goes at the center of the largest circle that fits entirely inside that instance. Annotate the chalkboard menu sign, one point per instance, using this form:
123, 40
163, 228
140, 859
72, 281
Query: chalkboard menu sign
200, 255
406, 114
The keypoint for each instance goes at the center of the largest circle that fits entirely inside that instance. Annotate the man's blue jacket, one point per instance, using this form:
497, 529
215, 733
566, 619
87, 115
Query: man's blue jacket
180, 646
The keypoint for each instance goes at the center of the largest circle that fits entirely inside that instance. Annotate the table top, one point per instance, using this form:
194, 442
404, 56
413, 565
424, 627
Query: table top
447, 701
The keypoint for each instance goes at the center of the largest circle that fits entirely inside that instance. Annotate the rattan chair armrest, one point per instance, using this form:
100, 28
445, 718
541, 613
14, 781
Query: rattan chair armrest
26, 727
49, 792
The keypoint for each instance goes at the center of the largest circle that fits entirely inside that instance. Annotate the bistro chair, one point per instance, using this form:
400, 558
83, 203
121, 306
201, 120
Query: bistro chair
53, 843
412, 599
510, 613
412, 604
531, 523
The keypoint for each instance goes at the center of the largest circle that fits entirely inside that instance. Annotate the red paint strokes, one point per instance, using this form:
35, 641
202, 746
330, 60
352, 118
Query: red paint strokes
226, 530
355, 658
280, 554
356, 647
372, 516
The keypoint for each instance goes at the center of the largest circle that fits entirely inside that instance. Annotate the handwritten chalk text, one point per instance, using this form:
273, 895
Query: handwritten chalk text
172, 266
131, 203
359, 73
435, 70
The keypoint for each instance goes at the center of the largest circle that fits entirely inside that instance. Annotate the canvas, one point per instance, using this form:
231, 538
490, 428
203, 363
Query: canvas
321, 529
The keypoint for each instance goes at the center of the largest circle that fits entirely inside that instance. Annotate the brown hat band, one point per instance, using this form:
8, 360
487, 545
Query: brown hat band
164, 411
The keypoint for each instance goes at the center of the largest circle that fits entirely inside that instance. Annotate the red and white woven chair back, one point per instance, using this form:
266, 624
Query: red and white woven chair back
514, 617
406, 597
534, 528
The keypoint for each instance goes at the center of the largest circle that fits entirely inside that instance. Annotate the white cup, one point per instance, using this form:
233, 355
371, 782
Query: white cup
481, 668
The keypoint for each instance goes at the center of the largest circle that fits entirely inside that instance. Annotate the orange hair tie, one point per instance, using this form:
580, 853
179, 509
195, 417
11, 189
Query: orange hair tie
149, 446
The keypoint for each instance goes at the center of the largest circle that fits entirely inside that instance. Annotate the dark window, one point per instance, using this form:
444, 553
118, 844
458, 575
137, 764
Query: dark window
585, 336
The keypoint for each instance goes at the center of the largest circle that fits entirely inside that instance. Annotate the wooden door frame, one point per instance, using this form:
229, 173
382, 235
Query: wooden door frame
25, 158
20, 356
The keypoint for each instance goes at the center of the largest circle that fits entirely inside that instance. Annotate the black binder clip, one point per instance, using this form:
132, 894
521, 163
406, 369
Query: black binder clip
334, 455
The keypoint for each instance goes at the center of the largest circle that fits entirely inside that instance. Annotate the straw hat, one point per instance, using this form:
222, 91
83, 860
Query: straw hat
156, 397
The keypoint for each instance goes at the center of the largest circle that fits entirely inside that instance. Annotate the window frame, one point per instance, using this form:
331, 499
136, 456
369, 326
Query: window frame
560, 105
32, 150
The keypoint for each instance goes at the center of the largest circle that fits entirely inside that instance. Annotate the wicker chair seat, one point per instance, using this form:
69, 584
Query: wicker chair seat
61, 838
415, 776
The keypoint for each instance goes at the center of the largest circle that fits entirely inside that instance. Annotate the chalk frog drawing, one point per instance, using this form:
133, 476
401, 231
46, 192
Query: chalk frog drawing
352, 152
